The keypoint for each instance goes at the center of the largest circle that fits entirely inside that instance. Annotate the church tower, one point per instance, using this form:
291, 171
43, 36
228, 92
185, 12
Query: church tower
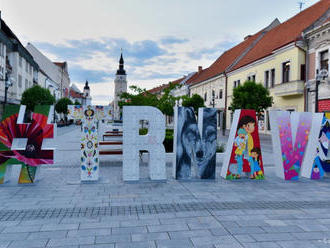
87, 95
120, 87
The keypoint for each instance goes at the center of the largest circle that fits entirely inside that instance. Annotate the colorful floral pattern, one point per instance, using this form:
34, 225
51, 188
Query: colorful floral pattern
292, 155
33, 155
89, 115
89, 151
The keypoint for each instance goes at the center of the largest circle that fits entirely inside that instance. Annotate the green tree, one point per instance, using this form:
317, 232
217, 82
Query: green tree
139, 97
62, 105
195, 101
76, 102
37, 95
166, 102
251, 95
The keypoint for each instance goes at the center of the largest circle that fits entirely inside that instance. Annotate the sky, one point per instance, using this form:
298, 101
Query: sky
161, 40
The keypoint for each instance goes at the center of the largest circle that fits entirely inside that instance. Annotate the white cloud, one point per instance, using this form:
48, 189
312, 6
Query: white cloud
180, 34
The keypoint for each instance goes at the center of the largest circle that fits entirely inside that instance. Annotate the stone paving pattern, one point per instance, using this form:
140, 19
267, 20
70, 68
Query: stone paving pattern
276, 220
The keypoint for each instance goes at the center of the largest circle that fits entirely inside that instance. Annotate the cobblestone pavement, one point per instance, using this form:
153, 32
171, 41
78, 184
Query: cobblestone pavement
59, 211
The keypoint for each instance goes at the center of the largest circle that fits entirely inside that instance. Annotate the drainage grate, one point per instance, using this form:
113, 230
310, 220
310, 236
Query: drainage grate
48, 213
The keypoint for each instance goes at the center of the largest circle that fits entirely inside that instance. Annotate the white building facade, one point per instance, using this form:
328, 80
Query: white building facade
18, 70
52, 76
318, 43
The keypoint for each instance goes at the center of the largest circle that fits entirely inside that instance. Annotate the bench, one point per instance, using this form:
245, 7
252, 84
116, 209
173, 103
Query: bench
112, 135
109, 143
111, 152
114, 132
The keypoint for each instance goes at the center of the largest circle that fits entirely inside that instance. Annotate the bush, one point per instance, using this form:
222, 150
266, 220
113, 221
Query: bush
143, 131
168, 141
220, 148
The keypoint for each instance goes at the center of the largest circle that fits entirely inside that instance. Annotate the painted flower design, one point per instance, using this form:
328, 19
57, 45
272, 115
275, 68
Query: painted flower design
90, 144
35, 132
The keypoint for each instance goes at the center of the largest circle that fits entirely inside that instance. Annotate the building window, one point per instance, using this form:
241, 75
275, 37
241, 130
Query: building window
237, 83
272, 78
26, 66
266, 79
2, 50
205, 96
248, 78
324, 58
20, 61
19, 81
253, 78
303, 72
286, 72
220, 94
26, 84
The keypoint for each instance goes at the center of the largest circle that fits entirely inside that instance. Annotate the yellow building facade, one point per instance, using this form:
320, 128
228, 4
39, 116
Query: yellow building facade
282, 73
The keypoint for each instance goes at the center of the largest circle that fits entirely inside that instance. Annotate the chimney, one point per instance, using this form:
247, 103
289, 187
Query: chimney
200, 68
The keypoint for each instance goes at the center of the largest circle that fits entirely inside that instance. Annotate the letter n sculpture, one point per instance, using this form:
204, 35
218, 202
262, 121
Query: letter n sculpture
25, 144
89, 115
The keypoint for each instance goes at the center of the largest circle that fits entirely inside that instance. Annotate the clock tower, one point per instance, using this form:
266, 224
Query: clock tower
120, 87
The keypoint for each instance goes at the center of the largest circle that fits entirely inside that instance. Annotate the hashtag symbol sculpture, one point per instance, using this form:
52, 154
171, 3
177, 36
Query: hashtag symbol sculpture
89, 115
25, 144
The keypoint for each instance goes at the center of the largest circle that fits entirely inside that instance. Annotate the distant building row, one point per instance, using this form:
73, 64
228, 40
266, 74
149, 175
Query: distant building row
22, 67
284, 57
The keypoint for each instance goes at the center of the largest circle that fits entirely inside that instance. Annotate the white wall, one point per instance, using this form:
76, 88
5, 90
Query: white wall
216, 84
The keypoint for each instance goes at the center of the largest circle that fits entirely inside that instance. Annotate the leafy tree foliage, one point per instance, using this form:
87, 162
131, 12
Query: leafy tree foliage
36, 95
165, 102
195, 101
139, 97
76, 102
251, 95
62, 105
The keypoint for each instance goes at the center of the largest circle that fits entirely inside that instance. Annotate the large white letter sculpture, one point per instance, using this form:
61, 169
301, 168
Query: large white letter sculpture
292, 135
89, 115
194, 143
152, 142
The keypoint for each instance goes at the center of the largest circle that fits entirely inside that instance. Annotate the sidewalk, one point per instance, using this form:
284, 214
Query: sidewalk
59, 211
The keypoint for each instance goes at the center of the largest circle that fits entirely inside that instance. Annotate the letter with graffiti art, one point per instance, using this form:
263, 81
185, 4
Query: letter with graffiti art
27, 144
243, 152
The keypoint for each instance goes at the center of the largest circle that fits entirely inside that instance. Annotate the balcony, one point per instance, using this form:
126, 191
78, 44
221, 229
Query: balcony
290, 88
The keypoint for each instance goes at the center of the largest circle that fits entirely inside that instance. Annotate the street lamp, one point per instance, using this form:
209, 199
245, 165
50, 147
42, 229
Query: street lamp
51, 86
8, 81
320, 76
212, 102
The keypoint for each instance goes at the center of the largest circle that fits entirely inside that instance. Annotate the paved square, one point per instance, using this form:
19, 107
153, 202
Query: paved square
59, 211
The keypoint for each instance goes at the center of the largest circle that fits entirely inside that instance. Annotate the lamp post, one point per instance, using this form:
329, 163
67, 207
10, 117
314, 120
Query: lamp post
54, 89
212, 102
8, 81
320, 75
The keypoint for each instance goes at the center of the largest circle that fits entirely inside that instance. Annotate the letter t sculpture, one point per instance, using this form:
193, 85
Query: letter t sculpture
89, 115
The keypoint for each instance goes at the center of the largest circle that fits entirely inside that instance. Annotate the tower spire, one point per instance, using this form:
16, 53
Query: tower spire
121, 70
